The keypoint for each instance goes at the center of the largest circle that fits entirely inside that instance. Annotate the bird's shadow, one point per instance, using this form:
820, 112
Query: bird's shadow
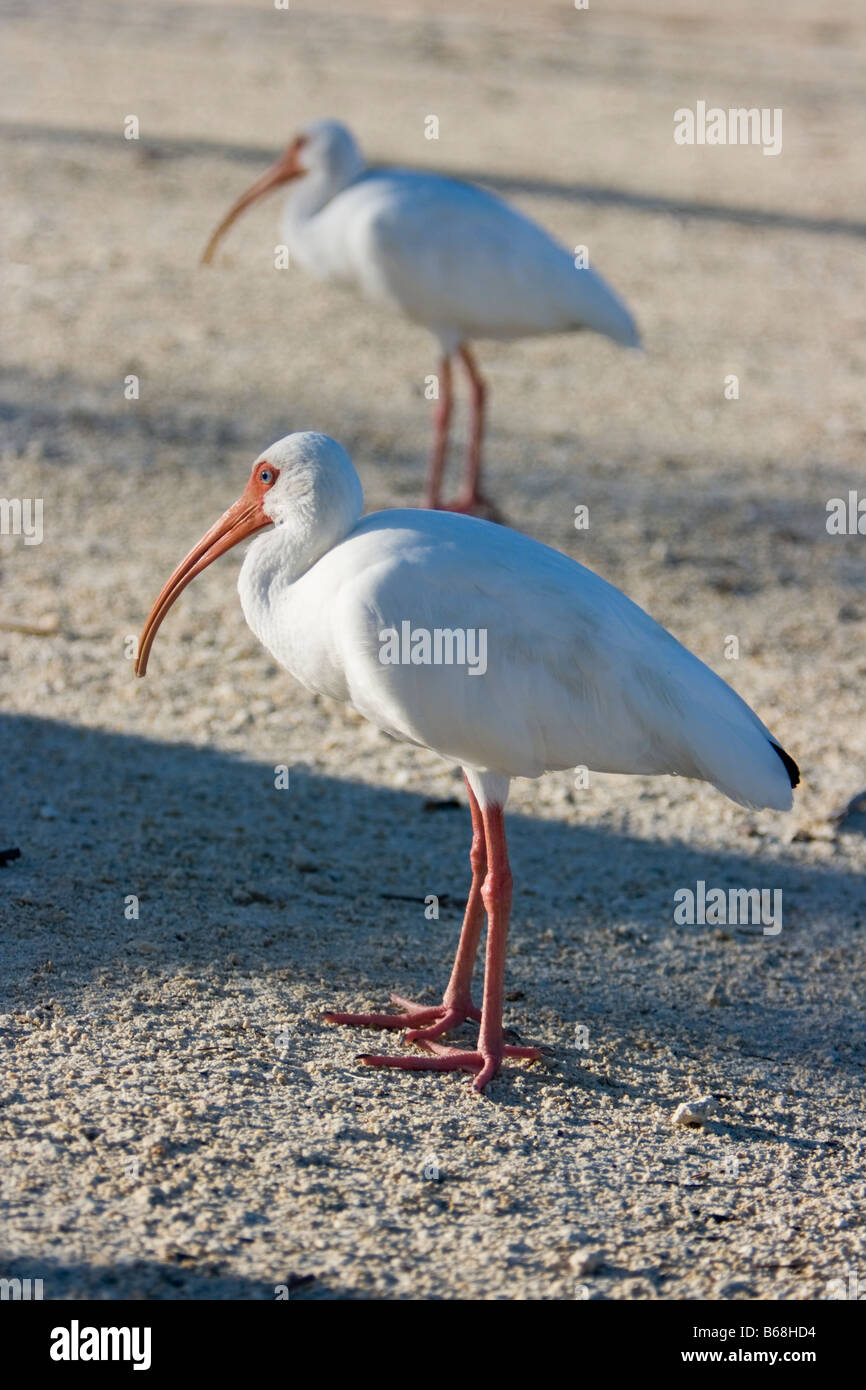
596, 194
182, 1278
336, 879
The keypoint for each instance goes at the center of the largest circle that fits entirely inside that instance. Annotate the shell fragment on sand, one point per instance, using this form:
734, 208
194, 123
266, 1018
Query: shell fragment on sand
692, 1114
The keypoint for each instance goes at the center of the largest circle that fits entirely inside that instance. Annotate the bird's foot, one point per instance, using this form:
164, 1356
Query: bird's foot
438, 1018
484, 1064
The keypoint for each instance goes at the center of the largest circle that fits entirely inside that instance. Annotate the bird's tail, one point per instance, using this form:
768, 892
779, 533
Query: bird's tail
598, 306
761, 776
740, 757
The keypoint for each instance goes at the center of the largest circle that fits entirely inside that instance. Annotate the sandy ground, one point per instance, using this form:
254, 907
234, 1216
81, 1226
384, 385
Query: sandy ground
176, 1121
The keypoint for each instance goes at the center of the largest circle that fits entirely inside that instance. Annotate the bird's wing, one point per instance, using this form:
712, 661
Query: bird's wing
575, 673
463, 262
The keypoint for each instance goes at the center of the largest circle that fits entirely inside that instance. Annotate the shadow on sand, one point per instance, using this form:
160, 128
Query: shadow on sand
335, 872
598, 195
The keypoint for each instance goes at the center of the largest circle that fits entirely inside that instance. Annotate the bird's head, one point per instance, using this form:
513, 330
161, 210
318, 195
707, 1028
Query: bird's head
324, 148
305, 483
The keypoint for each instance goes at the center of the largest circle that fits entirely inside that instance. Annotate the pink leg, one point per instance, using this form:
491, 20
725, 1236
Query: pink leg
471, 498
477, 394
496, 896
457, 1000
441, 427
456, 1003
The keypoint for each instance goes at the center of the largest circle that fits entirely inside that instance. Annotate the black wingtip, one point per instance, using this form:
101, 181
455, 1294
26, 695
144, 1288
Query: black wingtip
790, 766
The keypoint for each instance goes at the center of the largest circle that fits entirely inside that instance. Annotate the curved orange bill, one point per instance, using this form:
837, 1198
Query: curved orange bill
242, 519
283, 169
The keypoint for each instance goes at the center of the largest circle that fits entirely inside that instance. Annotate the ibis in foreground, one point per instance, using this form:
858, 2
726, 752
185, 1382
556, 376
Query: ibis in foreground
500, 654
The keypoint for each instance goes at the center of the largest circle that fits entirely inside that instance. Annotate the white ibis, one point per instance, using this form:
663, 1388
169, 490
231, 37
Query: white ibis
449, 256
568, 672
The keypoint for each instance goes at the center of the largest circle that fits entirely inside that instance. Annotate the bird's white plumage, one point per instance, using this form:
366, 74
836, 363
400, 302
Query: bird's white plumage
576, 674
448, 255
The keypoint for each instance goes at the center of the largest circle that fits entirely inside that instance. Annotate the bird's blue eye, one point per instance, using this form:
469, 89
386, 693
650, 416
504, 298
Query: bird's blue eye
266, 476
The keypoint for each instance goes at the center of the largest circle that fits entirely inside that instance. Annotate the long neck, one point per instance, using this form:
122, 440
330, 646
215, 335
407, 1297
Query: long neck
277, 558
311, 193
